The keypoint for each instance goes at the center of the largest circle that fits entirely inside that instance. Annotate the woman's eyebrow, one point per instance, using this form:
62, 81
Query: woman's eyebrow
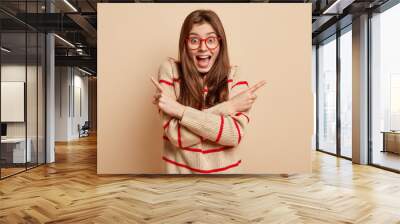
192, 33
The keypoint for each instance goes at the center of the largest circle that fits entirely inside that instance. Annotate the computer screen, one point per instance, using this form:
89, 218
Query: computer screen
3, 129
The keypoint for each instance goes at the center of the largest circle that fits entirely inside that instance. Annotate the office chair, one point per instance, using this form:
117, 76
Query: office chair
84, 130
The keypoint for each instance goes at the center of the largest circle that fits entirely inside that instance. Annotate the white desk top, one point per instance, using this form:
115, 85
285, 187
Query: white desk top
13, 140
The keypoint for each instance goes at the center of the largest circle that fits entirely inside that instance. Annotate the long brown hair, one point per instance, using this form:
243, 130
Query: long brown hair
216, 80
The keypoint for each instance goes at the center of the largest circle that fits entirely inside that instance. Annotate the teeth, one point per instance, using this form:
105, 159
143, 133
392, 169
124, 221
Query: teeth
203, 56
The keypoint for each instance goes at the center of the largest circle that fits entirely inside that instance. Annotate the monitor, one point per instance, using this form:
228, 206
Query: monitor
3, 129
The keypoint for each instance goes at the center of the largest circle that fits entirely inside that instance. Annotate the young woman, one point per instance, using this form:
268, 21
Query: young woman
203, 100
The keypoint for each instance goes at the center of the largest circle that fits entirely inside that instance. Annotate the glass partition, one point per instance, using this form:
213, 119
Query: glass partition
13, 95
31, 100
22, 63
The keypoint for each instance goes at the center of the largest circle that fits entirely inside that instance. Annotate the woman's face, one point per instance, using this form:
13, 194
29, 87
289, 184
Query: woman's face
203, 57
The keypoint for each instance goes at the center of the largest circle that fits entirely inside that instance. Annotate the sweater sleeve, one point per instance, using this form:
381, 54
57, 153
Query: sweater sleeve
219, 109
221, 128
177, 134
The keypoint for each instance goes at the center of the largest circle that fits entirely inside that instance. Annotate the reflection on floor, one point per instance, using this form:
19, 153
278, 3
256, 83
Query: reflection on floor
70, 191
386, 159
13, 169
346, 152
10, 171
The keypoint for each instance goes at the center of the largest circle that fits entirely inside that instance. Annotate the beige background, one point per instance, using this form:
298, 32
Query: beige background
268, 41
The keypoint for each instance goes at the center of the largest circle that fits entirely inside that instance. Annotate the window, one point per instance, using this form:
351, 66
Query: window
346, 93
385, 88
327, 95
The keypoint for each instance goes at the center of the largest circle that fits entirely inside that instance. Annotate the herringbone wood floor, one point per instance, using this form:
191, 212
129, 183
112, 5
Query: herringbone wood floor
69, 191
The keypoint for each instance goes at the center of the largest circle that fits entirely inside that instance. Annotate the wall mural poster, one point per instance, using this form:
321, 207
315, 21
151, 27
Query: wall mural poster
201, 90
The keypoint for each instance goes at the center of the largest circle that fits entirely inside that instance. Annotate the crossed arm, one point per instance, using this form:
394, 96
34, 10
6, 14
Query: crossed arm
220, 123
181, 135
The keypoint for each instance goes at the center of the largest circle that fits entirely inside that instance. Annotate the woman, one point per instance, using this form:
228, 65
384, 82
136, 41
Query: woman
204, 102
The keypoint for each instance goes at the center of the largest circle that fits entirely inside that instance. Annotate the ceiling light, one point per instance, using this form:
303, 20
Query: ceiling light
64, 40
84, 71
70, 5
5, 50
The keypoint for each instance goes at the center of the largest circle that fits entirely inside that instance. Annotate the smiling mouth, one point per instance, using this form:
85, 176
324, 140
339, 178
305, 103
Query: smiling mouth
203, 61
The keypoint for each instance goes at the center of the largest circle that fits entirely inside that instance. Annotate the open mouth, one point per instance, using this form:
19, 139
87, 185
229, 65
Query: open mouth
203, 61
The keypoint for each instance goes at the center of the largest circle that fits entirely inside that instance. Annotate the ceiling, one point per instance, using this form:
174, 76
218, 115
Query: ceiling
76, 22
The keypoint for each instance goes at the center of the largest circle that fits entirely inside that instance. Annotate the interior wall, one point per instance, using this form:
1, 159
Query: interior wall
92, 109
80, 108
15, 72
69, 85
62, 80
278, 140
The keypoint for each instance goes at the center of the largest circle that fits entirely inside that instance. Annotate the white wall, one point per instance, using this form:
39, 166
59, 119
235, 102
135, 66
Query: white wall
62, 81
11, 73
15, 72
70, 83
80, 84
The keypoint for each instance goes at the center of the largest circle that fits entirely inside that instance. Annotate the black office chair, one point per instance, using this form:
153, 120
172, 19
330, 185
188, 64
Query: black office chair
84, 130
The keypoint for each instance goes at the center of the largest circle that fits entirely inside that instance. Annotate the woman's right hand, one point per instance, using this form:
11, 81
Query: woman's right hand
244, 100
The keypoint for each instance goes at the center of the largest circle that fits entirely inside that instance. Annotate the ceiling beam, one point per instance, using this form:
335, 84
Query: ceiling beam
86, 26
85, 61
337, 7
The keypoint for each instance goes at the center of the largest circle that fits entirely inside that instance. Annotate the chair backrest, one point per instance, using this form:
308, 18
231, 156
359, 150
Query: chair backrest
86, 124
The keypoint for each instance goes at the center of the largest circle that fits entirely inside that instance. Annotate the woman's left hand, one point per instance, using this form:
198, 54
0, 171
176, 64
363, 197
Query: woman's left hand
168, 105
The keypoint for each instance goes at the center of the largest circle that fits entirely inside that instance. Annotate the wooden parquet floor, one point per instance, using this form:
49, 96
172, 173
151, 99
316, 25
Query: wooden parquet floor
69, 191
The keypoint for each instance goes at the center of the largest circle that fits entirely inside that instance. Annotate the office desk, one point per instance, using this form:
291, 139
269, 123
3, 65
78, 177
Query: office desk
13, 150
391, 141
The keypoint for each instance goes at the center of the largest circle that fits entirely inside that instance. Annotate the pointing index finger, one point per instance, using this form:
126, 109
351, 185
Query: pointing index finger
257, 86
156, 84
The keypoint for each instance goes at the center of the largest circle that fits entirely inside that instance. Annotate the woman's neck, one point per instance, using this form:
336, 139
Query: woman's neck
203, 77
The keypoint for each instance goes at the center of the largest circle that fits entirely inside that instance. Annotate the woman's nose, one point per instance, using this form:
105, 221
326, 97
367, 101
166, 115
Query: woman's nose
203, 46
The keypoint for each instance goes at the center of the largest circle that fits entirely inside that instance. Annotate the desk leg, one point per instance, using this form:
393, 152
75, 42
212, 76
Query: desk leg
384, 143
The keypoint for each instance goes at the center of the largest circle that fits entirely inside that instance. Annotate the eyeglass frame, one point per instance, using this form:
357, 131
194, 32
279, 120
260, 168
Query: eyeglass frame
204, 39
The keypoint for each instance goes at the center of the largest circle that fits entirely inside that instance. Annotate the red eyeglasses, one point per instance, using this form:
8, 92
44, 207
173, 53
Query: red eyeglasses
194, 43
